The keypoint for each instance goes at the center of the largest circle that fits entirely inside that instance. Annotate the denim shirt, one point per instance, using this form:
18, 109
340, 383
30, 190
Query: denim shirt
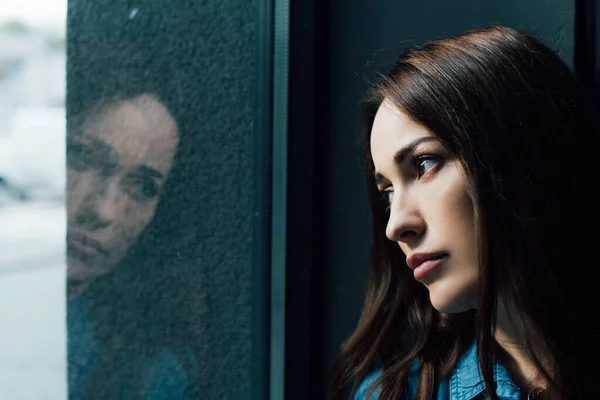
465, 381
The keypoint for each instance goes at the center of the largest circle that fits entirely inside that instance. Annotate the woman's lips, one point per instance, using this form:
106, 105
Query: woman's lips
83, 247
423, 263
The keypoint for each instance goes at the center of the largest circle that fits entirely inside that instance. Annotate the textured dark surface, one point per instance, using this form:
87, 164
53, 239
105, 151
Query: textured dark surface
367, 37
211, 47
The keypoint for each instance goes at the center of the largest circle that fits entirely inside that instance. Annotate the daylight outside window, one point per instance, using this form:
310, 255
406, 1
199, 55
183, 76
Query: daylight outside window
32, 211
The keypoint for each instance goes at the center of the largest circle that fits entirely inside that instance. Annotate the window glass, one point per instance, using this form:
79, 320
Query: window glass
32, 201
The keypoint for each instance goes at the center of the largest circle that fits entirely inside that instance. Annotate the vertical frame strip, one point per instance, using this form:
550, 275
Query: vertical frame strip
279, 199
262, 218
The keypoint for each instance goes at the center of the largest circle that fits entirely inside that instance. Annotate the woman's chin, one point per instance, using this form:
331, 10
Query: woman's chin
450, 301
77, 270
80, 271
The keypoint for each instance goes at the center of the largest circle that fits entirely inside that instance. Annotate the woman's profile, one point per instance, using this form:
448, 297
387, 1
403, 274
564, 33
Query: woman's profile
481, 171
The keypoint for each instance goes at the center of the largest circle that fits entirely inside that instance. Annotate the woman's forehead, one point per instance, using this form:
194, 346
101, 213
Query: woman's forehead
137, 131
393, 128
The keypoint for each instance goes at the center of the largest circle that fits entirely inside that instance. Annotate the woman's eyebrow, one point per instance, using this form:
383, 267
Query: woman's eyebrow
145, 171
401, 154
379, 178
404, 152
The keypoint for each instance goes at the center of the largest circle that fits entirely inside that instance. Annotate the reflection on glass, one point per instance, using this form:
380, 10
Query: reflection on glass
117, 165
131, 331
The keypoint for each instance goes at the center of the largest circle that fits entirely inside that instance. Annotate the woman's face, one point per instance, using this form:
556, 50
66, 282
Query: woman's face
117, 163
431, 214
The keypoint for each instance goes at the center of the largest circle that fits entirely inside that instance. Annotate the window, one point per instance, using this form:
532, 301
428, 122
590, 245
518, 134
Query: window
32, 202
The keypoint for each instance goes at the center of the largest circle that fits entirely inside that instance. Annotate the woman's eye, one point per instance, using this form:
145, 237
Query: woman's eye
145, 190
425, 163
140, 189
387, 198
78, 156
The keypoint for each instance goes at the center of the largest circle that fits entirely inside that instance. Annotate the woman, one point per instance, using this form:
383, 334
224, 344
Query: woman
132, 323
118, 160
480, 164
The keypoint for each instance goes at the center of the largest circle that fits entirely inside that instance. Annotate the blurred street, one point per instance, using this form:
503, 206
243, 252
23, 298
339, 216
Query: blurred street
32, 201
32, 315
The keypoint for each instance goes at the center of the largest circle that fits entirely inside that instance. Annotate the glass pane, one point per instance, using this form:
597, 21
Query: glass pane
161, 199
32, 211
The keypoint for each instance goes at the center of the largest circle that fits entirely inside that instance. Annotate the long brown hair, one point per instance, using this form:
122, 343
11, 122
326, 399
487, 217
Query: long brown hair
523, 127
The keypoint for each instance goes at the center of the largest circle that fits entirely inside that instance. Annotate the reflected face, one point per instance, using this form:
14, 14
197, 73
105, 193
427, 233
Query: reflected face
431, 214
117, 163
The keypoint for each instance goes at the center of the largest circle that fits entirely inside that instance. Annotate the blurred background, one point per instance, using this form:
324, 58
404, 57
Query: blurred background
32, 210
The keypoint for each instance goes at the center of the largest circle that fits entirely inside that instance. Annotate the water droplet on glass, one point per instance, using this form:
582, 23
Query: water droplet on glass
133, 13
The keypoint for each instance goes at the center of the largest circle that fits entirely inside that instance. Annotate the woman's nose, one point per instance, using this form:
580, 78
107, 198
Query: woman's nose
101, 207
406, 223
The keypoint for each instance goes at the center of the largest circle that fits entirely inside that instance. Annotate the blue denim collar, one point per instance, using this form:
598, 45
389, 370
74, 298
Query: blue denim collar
466, 381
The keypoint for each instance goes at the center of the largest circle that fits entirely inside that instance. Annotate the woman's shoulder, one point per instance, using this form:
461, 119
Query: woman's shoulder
465, 381
367, 384
168, 376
